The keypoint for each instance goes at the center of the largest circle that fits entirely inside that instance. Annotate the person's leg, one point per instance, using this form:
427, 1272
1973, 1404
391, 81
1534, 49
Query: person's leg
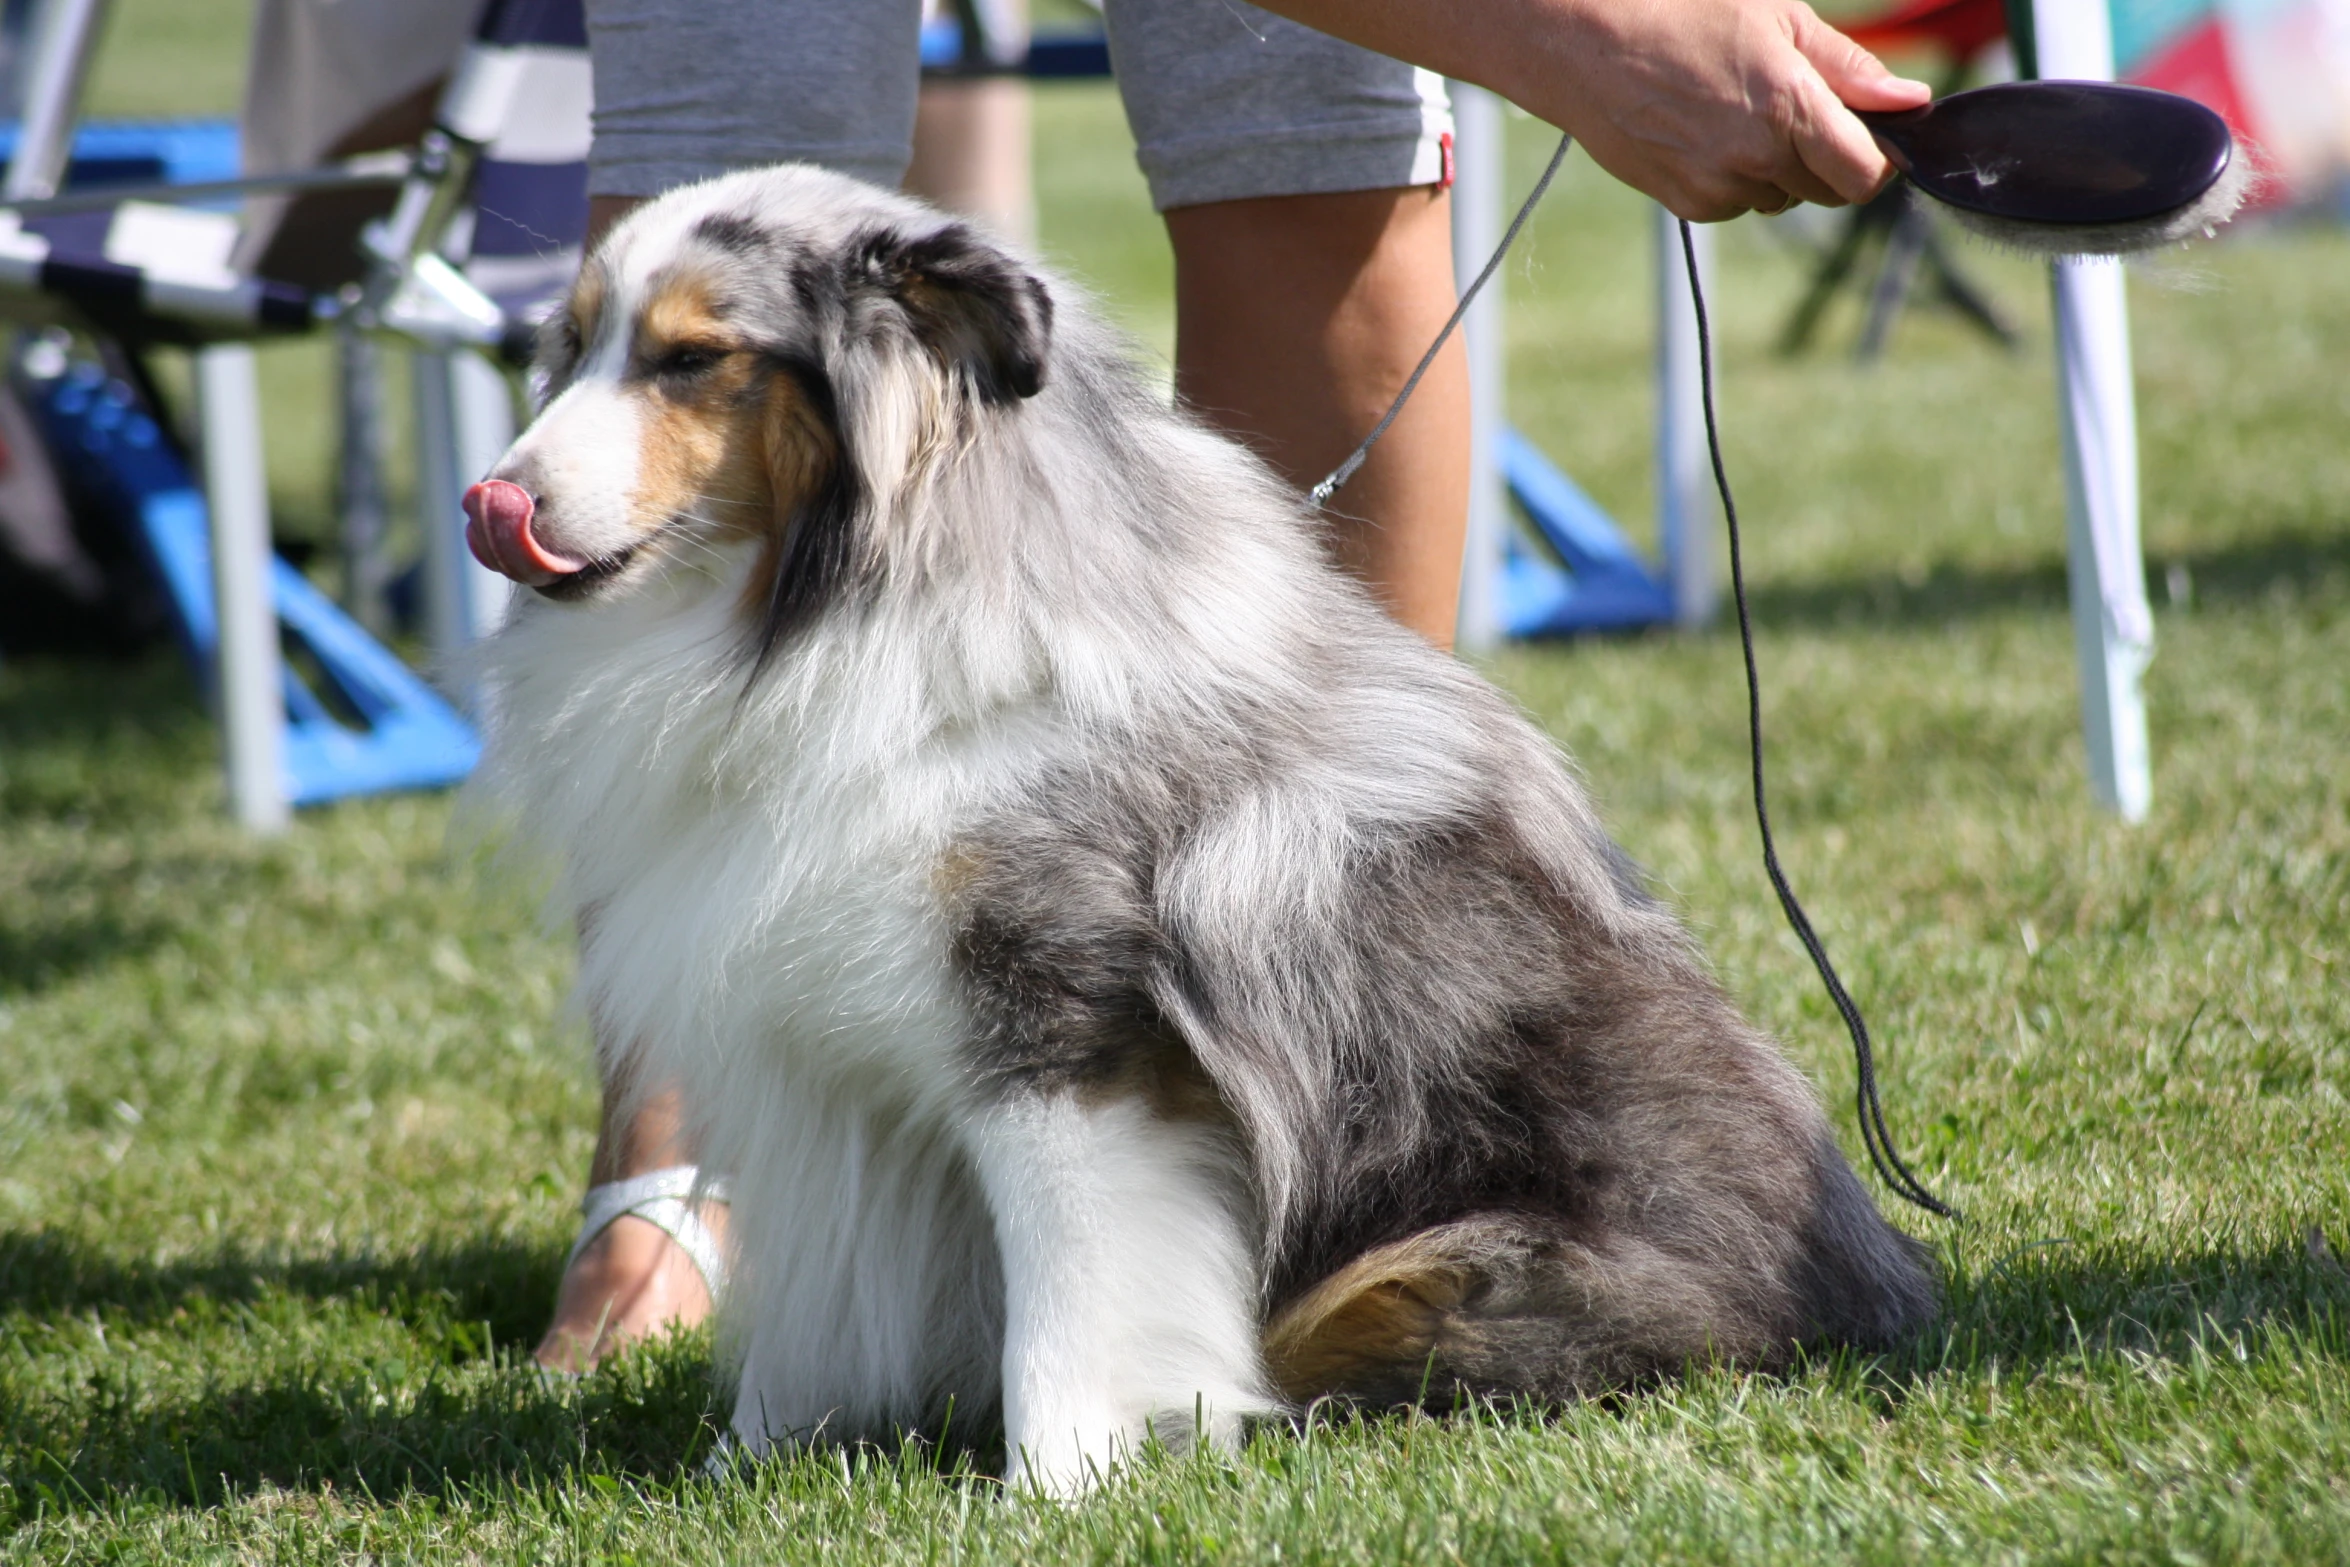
1301, 178
971, 153
972, 136
684, 93
632, 1279
1298, 318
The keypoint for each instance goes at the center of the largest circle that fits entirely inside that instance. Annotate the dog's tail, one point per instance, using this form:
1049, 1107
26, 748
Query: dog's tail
1497, 1305
1506, 1305
1861, 1281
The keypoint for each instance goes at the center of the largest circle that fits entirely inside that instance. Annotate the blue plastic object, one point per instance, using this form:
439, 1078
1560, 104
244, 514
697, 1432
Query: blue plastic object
126, 152
1607, 585
1053, 53
405, 737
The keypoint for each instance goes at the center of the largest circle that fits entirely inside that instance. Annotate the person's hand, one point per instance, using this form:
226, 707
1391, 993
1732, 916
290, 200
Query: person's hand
1713, 107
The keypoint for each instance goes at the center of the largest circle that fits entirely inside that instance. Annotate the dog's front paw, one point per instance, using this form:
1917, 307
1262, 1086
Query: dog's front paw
1069, 1453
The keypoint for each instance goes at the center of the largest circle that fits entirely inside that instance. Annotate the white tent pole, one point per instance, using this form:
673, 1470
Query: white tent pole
1478, 168
1686, 511
464, 422
2113, 629
248, 669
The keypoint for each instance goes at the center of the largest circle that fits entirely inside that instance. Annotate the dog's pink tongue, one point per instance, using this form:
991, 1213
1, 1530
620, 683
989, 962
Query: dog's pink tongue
497, 529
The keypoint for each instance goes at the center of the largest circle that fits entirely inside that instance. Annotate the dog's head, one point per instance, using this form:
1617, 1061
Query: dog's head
743, 372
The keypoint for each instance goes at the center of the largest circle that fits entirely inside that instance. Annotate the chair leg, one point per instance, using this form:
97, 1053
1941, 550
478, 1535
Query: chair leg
247, 667
1859, 225
1903, 248
1970, 301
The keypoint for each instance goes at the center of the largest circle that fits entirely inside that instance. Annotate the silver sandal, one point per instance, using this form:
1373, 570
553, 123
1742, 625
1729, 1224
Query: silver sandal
666, 1200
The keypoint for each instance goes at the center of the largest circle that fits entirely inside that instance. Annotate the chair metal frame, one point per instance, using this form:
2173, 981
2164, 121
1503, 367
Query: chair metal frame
283, 744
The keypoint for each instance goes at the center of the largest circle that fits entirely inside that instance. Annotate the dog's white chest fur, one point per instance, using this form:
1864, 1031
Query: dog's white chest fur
759, 882
765, 894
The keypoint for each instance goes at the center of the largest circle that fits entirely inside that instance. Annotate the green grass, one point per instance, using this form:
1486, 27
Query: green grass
293, 1130
160, 58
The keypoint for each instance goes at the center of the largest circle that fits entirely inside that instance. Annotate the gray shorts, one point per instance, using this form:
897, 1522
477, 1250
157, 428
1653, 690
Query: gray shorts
1227, 101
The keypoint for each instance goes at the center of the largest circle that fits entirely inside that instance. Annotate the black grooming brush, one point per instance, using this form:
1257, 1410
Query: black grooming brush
2071, 168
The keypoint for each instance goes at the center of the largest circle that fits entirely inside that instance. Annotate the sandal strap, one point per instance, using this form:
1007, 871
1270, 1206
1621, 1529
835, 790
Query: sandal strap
667, 1200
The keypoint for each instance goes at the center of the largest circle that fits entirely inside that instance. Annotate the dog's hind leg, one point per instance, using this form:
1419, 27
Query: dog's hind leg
1129, 1282
1502, 1305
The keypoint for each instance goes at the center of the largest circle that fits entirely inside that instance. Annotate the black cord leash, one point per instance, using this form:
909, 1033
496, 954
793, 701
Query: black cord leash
1873, 1132
1872, 1114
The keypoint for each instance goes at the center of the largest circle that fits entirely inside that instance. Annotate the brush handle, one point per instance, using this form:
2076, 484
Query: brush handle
1890, 128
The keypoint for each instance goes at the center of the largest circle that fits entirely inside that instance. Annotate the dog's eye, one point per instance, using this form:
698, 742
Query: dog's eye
687, 359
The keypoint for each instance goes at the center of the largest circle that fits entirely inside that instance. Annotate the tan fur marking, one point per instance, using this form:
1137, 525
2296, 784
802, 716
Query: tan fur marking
708, 447
955, 873
795, 451
687, 433
587, 301
1171, 1082
682, 310
682, 461
1384, 1309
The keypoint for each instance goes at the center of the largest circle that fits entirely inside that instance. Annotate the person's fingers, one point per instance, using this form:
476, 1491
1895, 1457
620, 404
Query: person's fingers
1718, 201
1823, 153
1857, 78
1804, 180
1835, 148
1710, 147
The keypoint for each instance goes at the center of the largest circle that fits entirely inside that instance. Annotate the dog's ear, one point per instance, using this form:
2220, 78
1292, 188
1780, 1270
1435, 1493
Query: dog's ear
979, 312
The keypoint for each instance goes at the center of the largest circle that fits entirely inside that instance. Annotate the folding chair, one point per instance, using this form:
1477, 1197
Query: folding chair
485, 227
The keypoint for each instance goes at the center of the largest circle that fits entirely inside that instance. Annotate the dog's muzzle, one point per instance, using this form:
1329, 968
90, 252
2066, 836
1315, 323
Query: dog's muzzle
497, 530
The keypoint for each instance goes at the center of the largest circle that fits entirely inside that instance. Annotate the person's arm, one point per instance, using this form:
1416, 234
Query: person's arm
1713, 107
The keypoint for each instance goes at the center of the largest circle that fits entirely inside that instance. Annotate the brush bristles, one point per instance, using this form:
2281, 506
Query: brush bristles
2199, 218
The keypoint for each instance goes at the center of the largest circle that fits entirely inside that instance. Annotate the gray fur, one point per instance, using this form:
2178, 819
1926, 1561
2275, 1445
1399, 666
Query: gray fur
1466, 1048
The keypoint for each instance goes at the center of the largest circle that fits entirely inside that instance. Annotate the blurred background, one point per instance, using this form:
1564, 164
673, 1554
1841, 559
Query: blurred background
316, 1096
1937, 459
